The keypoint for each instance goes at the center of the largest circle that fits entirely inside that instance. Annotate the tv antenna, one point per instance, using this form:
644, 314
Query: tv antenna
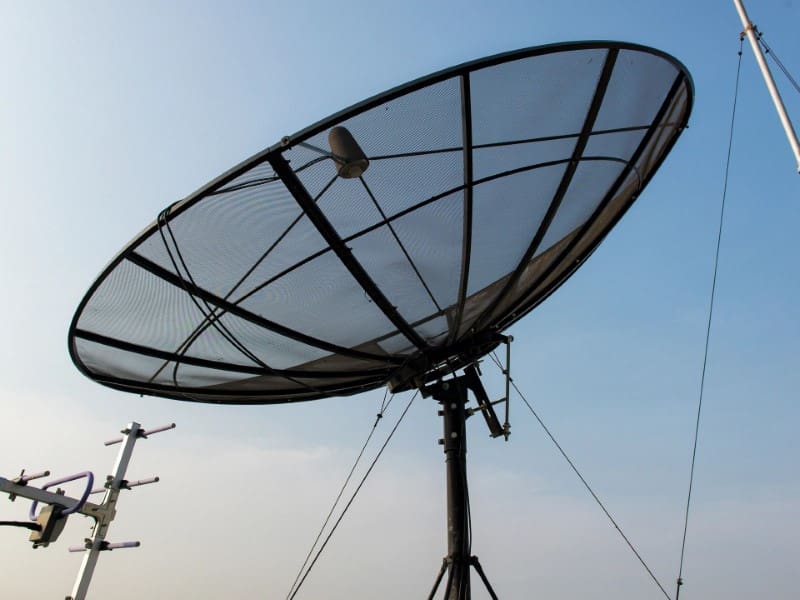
392, 243
46, 525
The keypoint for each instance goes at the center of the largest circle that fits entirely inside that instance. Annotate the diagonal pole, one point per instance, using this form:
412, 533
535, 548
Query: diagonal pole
750, 32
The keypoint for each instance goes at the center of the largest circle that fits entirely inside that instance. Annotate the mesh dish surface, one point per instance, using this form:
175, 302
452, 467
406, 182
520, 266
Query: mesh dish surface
488, 185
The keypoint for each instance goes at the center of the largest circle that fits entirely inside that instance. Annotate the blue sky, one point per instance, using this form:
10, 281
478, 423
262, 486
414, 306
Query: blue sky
109, 112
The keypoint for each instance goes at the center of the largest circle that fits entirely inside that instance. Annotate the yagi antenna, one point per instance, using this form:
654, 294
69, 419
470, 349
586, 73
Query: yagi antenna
48, 524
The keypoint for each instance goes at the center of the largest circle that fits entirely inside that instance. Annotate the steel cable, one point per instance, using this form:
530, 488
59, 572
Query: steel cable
781, 66
379, 416
353, 497
679, 582
585, 483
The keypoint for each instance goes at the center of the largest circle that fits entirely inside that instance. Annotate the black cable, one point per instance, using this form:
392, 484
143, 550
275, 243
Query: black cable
210, 317
216, 313
262, 180
213, 317
353, 497
400, 243
466, 542
244, 185
216, 322
549, 138
708, 326
26, 524
384, 406
586, 484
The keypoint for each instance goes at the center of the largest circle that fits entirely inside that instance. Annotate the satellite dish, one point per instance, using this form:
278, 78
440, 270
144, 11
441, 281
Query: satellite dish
392, 242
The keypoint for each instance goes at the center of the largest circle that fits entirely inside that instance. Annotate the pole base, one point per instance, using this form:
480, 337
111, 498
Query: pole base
450, 591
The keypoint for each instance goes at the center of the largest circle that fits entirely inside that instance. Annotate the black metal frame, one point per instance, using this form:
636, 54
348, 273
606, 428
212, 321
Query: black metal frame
294, 185
517, 311
426, 363
466, 252
563, 186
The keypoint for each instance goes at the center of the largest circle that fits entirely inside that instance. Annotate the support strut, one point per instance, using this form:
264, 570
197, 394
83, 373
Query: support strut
452, 395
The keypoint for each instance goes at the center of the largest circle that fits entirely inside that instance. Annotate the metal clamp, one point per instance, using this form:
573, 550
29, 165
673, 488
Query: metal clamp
141, 433
104, 545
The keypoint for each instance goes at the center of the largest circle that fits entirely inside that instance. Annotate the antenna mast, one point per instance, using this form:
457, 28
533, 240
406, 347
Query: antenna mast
750, 30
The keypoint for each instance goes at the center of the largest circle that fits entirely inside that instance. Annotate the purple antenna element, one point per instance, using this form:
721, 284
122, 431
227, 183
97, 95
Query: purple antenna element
23, 479
89, 483
159, 429
77, 548
132, 484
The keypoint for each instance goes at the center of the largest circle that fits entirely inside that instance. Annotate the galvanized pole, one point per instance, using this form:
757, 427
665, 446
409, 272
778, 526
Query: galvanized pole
750, 31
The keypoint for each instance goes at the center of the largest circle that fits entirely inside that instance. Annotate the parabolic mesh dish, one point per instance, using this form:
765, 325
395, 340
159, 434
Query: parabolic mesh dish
487, 186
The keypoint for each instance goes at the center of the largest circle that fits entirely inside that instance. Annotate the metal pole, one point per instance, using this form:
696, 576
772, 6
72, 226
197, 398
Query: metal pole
453, 396
95, 543
749, 30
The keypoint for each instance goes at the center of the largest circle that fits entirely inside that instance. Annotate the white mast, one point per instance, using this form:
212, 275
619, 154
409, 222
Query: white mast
750, 31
